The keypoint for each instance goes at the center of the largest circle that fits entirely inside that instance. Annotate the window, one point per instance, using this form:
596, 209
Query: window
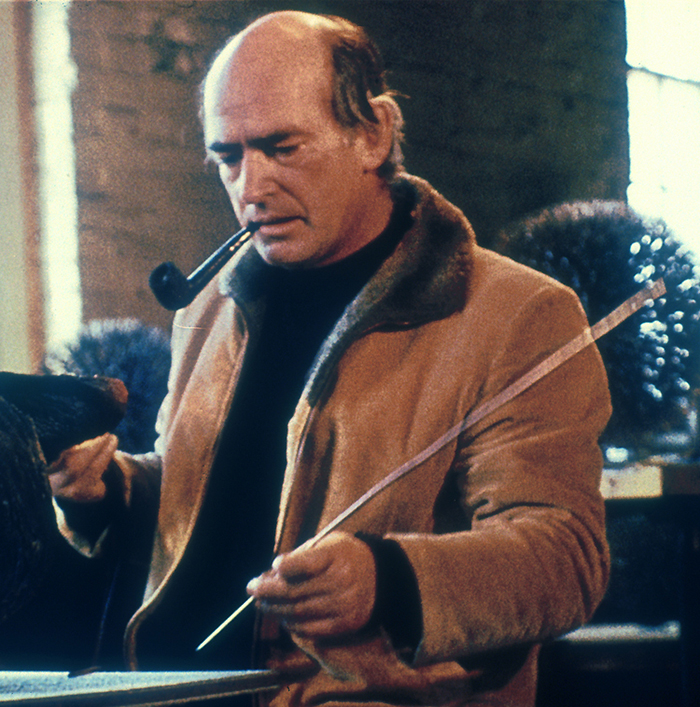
664, 113
55, 76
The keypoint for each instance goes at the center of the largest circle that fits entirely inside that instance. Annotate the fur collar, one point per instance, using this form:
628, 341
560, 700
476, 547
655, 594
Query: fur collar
426, 278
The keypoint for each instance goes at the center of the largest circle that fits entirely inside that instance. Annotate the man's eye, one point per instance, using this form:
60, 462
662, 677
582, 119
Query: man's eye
232, 157
281, 150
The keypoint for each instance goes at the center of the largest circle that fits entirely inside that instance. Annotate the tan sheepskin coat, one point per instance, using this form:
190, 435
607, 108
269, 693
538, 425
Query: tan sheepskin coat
504, 527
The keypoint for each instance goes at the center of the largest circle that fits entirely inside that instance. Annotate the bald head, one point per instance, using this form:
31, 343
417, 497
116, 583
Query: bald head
289, 25
300, 138
279, 52
272, 43
298, 43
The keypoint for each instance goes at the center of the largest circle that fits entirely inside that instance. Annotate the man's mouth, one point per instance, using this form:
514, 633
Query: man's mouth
274, 226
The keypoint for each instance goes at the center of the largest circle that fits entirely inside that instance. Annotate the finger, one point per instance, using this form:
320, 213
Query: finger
316, 628
314, 557
274, 588
319, 618
105, 453
81, 490
77, 475
338, 599
305, 562
301, 616
58, 480
95, 452
87, 454
313, 570
341, 611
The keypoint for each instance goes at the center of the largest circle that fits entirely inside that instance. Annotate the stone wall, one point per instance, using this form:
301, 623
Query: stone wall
510, 105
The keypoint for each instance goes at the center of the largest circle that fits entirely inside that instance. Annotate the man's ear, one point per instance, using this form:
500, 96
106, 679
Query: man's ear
377, 138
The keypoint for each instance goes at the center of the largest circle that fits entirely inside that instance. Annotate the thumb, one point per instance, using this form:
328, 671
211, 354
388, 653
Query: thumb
302, 563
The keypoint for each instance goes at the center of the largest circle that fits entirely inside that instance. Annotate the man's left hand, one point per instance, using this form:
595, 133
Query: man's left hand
321, 590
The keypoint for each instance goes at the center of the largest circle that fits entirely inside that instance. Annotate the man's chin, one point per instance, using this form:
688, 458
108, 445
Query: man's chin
279, 253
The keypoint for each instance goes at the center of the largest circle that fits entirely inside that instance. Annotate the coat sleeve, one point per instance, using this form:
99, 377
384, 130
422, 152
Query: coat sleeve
131, 503
533, 562
134, 480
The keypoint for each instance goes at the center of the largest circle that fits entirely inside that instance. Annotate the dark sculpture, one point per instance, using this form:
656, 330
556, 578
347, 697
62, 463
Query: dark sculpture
39, 417
66, 606
605, 252
136, 354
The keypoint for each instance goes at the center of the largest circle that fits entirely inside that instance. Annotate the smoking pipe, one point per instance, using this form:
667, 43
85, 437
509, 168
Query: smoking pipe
174, 291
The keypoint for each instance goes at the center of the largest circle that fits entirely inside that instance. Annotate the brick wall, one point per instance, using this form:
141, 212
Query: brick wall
510, 105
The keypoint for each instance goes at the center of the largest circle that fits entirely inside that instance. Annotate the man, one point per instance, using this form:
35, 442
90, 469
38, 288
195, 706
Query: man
361, 325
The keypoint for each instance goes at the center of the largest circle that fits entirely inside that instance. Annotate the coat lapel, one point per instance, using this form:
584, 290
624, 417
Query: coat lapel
425, 279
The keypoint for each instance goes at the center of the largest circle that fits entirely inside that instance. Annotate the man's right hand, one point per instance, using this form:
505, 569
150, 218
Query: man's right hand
77, 474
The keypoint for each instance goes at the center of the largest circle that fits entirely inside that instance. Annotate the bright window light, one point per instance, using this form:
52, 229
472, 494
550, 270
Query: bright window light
55, 78
664, 113
663, 37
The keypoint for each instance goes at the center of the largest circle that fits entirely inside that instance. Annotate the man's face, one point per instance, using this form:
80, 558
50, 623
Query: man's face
283, 158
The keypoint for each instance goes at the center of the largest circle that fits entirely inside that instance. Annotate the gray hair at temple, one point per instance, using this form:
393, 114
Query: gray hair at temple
358, 76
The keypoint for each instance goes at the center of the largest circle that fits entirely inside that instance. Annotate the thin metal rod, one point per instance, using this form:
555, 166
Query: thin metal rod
215, 633
560, 356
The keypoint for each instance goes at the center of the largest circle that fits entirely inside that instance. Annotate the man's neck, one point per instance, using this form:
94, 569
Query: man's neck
370, 221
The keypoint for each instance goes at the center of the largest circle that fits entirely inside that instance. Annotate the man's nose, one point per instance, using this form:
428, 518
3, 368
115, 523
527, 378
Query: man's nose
255, 178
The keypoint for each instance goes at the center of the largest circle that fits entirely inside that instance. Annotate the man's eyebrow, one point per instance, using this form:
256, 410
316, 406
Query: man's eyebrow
263, 142
223, 147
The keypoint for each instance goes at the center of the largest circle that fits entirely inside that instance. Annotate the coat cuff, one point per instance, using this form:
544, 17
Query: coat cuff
397, 607
86, 525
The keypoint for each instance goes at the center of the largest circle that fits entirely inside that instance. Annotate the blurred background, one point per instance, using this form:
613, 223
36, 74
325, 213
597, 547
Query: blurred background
511, 107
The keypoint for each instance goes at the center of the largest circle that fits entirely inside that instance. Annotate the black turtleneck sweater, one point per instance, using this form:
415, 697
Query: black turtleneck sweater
234, 535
